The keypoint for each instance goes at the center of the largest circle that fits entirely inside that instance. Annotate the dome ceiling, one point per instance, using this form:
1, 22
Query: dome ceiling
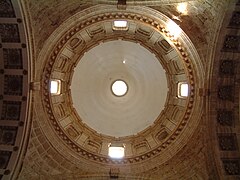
94, 100
61, 61
92, 35
62, 116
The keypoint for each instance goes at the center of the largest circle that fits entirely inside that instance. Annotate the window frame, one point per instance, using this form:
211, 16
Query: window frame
179, 94
122, 150
120, 28
58, 81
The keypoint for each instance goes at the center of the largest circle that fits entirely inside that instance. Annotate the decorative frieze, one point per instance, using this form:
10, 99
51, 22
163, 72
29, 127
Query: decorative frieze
144, 32
63, 64
59, 109
141, 147
95, 31
93, 145
165, 45
160, 136
72, 132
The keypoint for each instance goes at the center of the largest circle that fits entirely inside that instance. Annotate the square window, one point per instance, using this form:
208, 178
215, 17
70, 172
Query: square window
120, 25
174, 29
116, 151
182, 90
55, 87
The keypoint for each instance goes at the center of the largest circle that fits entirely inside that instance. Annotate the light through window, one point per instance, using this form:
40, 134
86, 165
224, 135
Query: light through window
174, 29
182, 8
116, 152
120, 25
55, 86
183, 90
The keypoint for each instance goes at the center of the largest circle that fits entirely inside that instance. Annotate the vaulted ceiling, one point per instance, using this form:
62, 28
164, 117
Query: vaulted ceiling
66, 135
